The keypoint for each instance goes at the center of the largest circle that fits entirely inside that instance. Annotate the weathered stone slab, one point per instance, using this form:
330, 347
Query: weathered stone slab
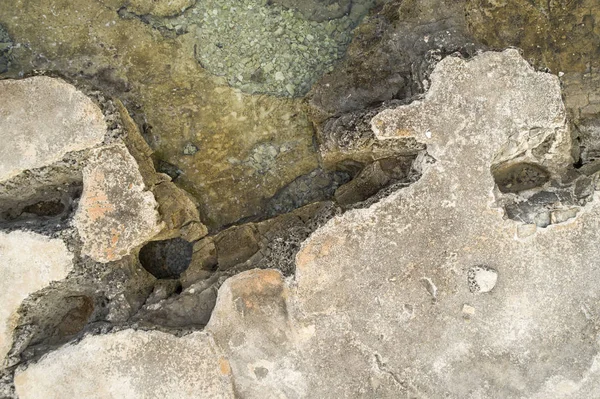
28, 263
431, 292
251, 324
116, 212
387, 300
130, 365
41, 120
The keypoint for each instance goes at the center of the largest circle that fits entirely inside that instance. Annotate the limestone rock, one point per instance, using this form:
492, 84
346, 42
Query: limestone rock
251, 324
28, 263
443, 224
41, 120
116, 213
130, 365
380, 306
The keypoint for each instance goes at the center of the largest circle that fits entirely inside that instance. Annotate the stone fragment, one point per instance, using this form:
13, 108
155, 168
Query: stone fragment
251, 325
204, 262
373, 178
41, 120
481, 279
192, 308
235, 245
115, 213
129, 365
370, 180
468, 311
178, 212
28, 263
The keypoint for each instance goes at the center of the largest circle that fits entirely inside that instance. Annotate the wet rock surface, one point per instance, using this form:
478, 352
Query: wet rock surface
5, 50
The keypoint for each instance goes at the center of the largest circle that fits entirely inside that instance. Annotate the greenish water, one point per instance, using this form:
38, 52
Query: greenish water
261, 47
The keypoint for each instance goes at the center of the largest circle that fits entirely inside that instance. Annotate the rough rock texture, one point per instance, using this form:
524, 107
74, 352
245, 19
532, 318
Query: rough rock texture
391, 55
431, 292
115, 213
249, 147
271, 244
160, 8
28, 263
36, 132
131, 365
566, 37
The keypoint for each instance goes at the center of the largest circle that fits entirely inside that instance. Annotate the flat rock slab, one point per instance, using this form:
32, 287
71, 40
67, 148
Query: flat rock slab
28, 263
391, 301
130, 365
116, 212
41, 120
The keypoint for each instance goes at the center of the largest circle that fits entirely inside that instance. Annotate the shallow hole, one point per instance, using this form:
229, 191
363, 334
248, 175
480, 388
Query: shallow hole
45, 208
166, 258
520, 177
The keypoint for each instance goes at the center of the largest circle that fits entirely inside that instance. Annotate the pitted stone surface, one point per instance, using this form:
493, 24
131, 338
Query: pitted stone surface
130, 365
116, 212
380, 308
28, 263
41, 120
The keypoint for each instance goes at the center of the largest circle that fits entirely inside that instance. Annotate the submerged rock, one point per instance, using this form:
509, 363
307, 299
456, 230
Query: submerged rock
160, 8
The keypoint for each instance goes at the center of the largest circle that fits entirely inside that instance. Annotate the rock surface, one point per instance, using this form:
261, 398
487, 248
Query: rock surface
37, 132
28, 263
131, 365
116, 213
383, 302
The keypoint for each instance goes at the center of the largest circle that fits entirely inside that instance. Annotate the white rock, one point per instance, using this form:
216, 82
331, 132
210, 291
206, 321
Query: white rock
482, 279
116, 212
28, 263
130, 365
42, 120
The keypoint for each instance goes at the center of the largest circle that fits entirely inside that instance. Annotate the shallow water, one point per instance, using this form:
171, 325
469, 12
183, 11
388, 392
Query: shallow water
217, 85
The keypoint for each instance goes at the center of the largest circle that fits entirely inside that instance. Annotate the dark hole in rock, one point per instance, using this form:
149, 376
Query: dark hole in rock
167, 258
45, 208
519, 177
